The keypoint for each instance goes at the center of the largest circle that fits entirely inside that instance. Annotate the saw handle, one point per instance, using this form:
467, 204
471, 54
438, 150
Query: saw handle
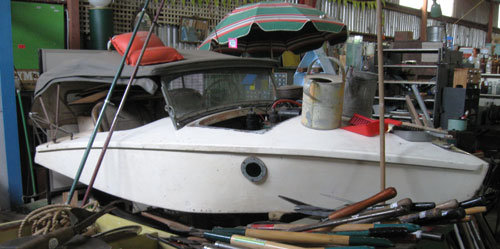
386, 194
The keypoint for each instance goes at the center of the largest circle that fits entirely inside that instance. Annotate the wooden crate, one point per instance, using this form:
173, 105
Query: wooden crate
464, 76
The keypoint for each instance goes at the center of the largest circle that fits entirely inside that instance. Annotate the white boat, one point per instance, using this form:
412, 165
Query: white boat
214, 153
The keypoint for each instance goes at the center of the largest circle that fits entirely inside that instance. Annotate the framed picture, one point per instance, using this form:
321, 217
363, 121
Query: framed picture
193, 29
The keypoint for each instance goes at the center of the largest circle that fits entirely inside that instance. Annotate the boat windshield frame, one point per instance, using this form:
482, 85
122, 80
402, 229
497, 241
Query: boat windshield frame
249, 87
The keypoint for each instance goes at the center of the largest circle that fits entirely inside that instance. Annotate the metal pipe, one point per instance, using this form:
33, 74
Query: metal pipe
46, 117
420, 101
58, 92
106, 102
381, 94
458, 236
120, 107
330, 223
28, 150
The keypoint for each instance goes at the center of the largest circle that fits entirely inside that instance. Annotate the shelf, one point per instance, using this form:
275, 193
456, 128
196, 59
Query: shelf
410, 66
409, 82
493, 96
490, 75
404, 99
412, 50
393, 116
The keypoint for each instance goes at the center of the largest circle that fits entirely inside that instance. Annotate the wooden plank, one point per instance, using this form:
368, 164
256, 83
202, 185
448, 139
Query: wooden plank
90, 99
490, 22
74, 24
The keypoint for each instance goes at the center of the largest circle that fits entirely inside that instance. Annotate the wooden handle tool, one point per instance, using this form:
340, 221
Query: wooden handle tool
448, 204
475, 210
386, 194
410, 218
478, 201
403, 202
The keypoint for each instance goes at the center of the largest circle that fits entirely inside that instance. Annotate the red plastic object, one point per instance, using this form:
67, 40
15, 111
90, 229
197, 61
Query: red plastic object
367, 126
155, 52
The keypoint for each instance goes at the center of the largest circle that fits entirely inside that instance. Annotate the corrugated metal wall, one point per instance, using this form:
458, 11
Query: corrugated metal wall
169, 34
361, 21
463, 36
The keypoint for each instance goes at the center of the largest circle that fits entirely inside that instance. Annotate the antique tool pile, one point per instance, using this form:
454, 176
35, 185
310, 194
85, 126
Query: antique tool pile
365, 224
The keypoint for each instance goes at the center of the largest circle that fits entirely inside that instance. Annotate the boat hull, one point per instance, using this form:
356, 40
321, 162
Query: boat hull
213, 182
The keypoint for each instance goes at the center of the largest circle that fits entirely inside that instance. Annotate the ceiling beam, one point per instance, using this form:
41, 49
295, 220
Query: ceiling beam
423, 21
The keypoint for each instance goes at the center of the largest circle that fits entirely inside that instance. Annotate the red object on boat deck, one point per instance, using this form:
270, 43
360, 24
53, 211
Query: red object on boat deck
367, 126
155, 52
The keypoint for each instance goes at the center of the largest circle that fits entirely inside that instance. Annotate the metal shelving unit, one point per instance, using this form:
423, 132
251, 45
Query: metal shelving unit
435, 66
409, 82
403, 99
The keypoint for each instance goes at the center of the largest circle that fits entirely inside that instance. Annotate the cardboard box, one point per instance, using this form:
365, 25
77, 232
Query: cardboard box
464, 76
403, 36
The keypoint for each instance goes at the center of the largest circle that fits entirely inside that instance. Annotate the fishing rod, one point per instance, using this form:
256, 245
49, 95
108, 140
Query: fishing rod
105, 105
122, 103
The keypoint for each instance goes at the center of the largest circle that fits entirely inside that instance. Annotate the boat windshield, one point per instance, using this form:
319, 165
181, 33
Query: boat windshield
196, 93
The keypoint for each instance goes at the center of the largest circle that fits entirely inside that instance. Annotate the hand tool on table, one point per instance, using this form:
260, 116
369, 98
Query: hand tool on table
304, 208
305, 238
475, 210
223, 245
411, 218
174, 225
438, 216
118, 233
415, 206
255, 243
478, 201
330, 223
384, 195
340, 228
421, 206
58, 237
384, 232
403, 202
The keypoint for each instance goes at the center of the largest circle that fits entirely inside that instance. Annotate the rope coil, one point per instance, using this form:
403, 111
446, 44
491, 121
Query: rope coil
50, 218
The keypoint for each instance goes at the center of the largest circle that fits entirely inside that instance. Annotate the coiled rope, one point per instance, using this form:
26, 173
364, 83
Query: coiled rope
49, 218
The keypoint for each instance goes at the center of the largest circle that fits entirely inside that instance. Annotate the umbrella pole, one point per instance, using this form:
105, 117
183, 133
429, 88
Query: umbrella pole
381, 94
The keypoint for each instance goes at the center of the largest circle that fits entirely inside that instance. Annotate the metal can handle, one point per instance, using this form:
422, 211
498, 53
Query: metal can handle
335, 61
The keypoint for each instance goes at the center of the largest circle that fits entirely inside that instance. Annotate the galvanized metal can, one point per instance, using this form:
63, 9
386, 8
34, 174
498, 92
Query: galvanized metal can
323, 97
322, 101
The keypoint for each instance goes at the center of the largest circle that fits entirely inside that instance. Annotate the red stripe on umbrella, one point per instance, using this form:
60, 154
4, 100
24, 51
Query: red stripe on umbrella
260, 5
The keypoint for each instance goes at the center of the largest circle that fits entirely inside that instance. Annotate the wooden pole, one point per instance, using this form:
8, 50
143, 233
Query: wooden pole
490, 23
74, 24
381, 94
423, 22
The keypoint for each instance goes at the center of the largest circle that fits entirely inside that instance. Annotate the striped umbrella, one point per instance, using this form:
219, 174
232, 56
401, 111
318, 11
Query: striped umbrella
270, 28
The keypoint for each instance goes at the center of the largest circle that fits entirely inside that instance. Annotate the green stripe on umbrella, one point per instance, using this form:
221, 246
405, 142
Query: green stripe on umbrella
275, 26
